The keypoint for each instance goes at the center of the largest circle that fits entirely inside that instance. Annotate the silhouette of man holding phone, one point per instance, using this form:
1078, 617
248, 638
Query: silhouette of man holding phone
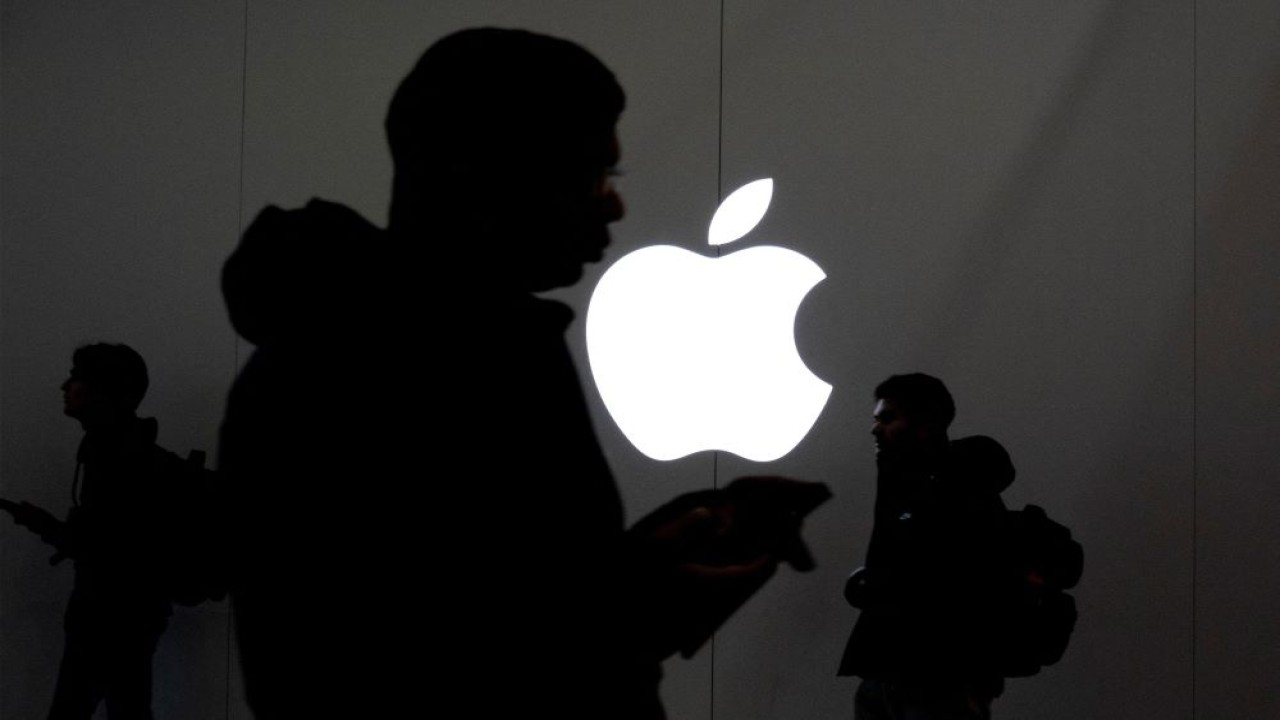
424, 515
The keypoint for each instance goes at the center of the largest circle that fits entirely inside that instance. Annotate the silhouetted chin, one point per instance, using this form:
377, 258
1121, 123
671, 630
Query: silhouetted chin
551, 281
570, 272
891, 458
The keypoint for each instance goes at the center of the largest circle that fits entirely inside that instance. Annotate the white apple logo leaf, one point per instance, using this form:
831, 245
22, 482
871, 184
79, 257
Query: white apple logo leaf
740, 212
694, 353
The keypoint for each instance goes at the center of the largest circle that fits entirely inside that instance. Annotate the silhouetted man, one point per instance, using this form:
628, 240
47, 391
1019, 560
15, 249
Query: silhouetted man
425, 519
931, 589
119, 605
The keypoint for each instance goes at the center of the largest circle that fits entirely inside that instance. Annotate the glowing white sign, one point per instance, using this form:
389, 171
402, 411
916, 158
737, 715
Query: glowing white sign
694, 353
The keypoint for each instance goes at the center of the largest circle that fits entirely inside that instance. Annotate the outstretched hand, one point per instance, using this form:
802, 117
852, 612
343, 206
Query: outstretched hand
703, 554
685, 539
747, 523
41, 522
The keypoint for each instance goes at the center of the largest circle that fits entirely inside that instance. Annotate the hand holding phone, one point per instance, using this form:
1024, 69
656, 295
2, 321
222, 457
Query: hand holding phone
41, 522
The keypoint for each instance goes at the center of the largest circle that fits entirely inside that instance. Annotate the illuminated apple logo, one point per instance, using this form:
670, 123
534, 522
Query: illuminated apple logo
695, 353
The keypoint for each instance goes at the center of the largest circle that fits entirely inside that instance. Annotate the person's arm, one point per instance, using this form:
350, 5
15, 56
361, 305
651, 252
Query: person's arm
41, 522
702, 555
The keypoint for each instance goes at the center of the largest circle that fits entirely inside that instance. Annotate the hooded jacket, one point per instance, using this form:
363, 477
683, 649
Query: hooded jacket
421, 498
117, 524
931, 588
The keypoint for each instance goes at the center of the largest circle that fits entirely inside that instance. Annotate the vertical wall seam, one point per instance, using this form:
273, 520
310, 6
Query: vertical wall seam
1195, 351
715, 455
720, 120
244, 94
235, 342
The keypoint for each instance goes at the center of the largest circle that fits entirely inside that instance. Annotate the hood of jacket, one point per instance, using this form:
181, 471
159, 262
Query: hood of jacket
981, 464
299, 273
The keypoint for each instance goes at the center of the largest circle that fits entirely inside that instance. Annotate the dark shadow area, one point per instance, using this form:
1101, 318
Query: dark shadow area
423, 517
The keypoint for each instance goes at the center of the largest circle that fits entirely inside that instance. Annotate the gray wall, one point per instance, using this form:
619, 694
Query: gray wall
1066, 210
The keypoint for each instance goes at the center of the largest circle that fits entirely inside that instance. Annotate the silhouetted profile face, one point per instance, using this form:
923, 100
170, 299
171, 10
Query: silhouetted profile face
568, 225
503, 143
911, 417
900, 433
78, 397
106, 383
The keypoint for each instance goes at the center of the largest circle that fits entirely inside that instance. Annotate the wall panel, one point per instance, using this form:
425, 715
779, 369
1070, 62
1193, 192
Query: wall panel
1237, 334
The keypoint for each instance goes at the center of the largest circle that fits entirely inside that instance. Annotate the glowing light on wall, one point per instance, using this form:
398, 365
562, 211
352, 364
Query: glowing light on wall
694, 353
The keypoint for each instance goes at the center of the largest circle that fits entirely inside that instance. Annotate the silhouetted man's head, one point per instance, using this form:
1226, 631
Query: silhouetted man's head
504, 140
106, 382
911, 416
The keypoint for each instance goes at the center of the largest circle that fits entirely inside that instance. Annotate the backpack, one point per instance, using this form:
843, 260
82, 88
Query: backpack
194, 558
1042, 561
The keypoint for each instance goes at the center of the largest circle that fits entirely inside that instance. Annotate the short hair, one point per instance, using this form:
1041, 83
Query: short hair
487, 96
117, 371
920, 395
